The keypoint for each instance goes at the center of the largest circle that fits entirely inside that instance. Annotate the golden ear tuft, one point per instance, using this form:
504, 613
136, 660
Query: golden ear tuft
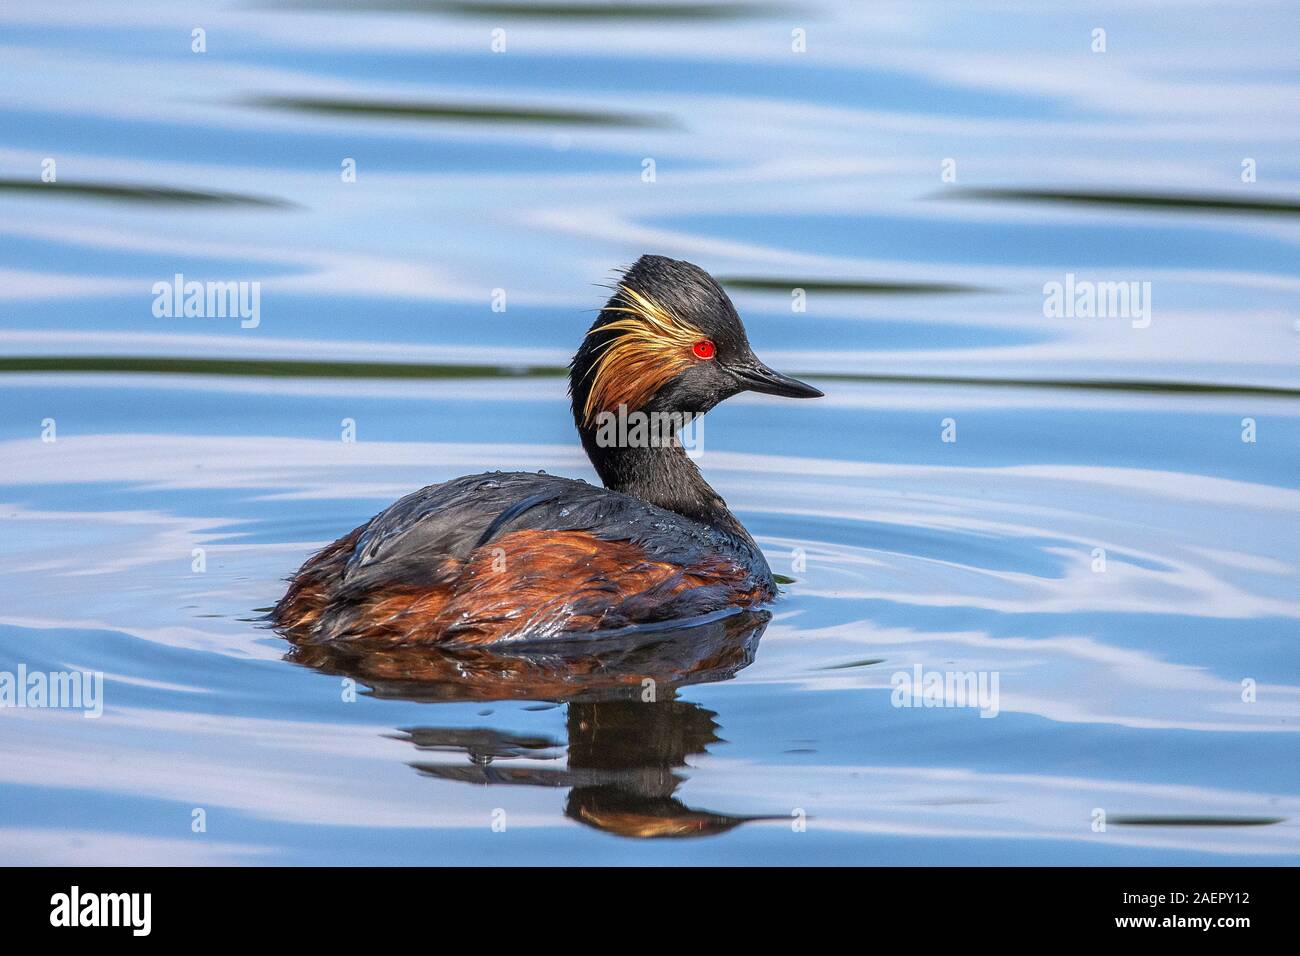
652, 346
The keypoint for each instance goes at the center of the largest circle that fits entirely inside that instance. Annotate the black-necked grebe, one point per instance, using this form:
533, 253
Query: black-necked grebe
520, 556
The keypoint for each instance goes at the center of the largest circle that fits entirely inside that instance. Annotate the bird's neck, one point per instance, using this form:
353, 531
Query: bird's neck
662, 475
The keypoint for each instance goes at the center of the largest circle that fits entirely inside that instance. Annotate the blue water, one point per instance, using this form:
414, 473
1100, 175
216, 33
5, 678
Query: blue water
1120, 685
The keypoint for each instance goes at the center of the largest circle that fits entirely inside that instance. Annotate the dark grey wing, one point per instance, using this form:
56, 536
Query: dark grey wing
424, 539
411, 538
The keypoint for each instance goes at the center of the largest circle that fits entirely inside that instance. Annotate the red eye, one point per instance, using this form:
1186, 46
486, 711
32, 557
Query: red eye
703, 349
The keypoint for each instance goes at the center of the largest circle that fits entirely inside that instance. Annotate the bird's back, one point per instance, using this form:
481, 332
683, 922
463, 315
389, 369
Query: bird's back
517, 557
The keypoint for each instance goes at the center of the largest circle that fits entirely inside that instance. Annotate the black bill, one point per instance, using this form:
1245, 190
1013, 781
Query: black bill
757, 377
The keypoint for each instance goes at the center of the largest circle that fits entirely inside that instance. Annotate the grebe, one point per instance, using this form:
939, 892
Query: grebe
517, 557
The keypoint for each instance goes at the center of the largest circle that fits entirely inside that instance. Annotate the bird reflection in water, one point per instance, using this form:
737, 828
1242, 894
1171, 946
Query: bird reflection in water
628, 732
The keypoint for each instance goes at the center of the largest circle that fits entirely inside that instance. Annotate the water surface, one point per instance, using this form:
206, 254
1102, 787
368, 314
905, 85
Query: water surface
1099, 536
